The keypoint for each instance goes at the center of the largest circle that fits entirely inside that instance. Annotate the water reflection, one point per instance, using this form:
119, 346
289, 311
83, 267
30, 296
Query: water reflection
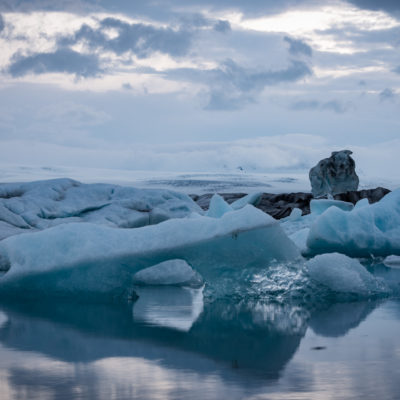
151, 350
242, 336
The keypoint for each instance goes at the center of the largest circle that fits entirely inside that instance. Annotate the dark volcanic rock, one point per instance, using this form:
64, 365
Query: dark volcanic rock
281, 205
373, 195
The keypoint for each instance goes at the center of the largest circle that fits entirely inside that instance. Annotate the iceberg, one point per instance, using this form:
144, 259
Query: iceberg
171, 272
86, 258
44, 204
367, 230
319, 206
344, 275
218, 207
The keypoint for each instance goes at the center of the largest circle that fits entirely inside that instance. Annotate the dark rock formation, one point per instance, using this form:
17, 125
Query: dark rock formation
334, 175
373, 195
281, 205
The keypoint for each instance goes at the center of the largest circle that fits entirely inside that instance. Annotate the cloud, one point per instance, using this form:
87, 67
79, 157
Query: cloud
1, 23
316, 105
141, 39
231, 87
222, 26
151, 9
397, 70
387, 94
297, 47
62, 60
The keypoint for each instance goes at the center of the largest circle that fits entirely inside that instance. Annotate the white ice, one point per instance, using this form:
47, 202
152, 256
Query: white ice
43, 204
343, 274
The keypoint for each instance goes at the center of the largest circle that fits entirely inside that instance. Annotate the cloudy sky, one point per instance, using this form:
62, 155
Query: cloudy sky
192, 85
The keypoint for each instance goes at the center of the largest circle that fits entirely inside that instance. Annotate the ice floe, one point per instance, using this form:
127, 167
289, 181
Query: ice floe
342, 274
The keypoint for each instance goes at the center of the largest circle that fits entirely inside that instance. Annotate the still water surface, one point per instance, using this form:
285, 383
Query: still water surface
169, 345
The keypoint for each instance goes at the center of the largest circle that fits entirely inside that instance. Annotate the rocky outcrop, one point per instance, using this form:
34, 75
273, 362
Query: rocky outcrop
334, 175
281, 205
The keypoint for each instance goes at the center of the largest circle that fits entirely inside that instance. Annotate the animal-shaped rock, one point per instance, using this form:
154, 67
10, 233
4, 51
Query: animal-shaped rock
334, 175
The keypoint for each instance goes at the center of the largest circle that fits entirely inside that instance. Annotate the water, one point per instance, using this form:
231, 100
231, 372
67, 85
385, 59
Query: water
190, 347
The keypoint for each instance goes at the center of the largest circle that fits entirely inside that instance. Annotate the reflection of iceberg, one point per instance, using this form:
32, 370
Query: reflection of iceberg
339, 318
228, 334
171, 307
86, 258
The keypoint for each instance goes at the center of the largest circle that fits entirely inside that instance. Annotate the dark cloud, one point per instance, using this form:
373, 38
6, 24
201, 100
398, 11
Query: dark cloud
297, 47
316, 105
1, 23
62, 60
222, 26
231, 86
397, 70
384, 5
387, 94
139, 38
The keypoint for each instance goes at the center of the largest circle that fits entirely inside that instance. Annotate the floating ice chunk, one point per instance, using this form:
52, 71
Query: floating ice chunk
295, 215
319, 206
300, 238
43, 204
218, 207
170, 272
252, 198
392, 261
170, 307
342, 274
89, 258
370, 230
361, 203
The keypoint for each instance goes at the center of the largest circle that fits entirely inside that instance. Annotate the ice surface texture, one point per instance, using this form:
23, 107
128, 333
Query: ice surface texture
334, 175
85, 258
171, 272
367, 230
342, 274
43, 204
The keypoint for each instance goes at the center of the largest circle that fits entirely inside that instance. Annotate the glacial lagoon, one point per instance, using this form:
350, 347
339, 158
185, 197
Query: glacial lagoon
232, 305
187, 347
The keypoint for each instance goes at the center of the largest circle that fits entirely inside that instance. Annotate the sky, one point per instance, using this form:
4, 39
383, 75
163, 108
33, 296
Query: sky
196, 85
